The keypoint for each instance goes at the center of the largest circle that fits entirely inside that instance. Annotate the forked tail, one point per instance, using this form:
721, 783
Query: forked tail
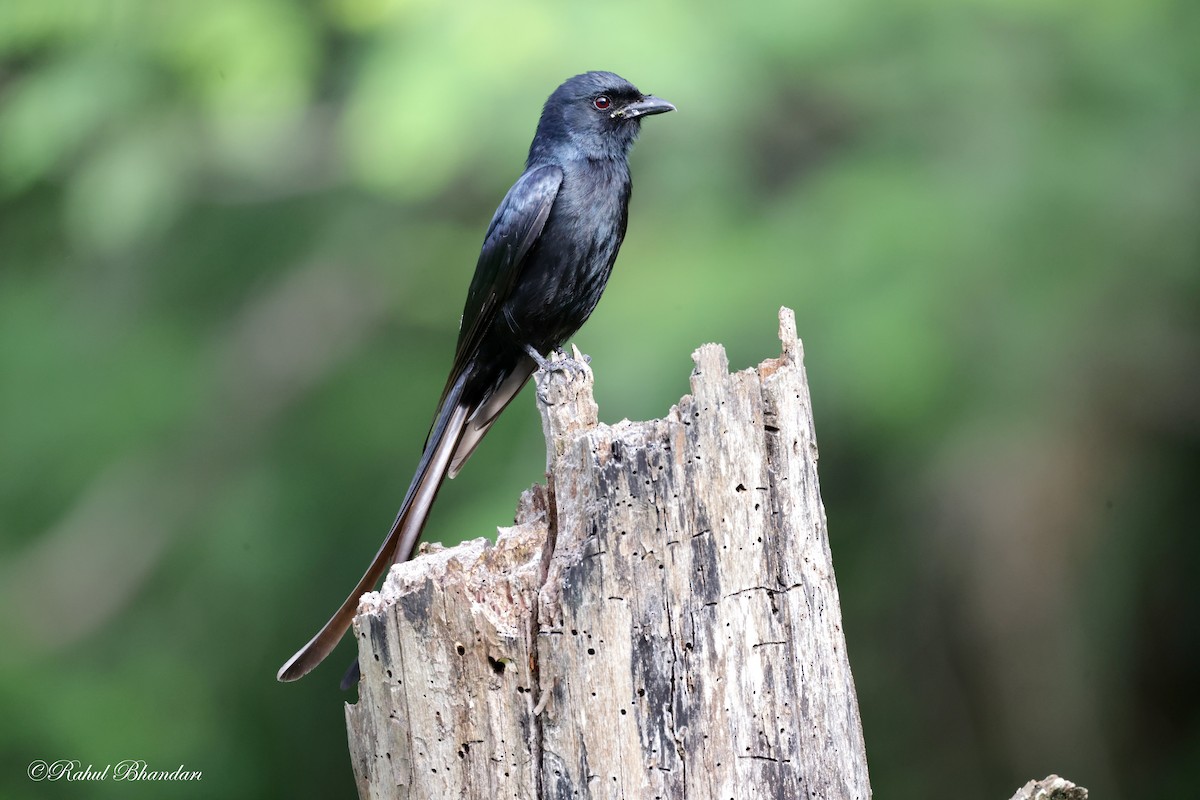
406, 530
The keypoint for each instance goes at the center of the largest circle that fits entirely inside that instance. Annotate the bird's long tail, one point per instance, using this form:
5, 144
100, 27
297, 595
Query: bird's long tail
443, 439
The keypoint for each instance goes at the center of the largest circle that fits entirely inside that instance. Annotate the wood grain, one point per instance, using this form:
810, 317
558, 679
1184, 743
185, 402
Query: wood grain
661, 622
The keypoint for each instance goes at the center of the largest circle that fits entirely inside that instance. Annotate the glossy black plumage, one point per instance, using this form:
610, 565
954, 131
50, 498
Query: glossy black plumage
545, 261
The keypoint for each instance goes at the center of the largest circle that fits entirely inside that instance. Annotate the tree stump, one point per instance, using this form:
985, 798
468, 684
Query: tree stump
661, 622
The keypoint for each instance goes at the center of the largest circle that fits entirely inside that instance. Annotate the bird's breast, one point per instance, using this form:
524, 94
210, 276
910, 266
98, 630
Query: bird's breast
567, 269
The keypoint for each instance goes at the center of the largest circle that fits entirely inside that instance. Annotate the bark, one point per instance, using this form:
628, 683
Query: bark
661, 622
1051, 788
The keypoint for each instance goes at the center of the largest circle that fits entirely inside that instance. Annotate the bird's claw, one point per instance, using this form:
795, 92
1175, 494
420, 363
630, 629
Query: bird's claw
559, 361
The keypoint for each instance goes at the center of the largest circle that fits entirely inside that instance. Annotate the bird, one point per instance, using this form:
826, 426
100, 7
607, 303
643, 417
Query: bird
545, 260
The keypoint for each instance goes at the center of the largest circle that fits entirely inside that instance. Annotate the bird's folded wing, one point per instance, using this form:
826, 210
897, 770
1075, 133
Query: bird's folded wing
514, 230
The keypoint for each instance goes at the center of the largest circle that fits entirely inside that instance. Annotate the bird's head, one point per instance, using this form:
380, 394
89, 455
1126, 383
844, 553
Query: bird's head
594, 115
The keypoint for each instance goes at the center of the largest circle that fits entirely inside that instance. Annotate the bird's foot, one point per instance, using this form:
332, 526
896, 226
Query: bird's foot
559, 361
563, 355
539, 359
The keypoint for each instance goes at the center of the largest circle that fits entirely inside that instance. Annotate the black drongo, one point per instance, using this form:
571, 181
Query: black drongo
545, 260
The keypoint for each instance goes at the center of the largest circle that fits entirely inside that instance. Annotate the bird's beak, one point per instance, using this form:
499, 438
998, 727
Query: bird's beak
643, 108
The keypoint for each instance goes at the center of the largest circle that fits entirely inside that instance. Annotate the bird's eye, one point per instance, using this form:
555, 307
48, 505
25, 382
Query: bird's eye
602, 102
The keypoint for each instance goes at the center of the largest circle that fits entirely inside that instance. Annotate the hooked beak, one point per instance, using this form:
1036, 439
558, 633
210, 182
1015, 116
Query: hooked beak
643, 108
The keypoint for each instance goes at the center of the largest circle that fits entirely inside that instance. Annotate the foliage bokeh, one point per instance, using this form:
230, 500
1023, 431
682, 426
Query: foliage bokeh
234, 241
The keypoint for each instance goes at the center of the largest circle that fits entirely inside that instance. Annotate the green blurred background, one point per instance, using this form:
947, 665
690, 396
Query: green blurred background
235, 237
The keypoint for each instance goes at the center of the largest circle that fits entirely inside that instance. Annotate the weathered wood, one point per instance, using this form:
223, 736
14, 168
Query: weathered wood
662, 621
1051, 788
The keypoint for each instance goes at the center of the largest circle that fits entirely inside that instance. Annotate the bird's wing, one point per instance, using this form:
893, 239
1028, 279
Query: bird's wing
515, 228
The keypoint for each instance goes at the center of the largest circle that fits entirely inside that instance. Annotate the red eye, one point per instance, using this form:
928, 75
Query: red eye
602, 102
